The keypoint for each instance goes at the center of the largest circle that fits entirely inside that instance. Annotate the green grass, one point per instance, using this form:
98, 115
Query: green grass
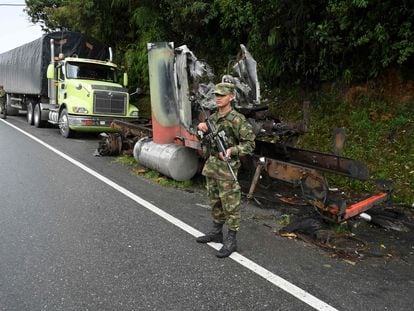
127, 160
341, 228
379, 133
152, 175
284, 220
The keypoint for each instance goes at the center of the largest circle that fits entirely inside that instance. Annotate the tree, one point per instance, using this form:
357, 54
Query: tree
40, 12
302, 42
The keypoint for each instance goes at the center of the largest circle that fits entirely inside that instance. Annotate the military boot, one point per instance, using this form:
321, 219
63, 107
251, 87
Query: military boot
229, 246
215, 235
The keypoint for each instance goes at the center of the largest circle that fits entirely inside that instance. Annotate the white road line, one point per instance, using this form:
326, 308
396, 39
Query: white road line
259, 270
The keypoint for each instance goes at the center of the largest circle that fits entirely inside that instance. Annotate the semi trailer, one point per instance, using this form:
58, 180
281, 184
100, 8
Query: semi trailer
67, 79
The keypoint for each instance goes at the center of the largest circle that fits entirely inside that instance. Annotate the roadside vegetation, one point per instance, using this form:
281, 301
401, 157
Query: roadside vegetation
352, 59
379, 133
154, 176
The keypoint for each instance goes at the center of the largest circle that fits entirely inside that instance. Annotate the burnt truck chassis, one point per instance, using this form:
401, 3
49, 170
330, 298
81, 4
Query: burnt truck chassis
278, 160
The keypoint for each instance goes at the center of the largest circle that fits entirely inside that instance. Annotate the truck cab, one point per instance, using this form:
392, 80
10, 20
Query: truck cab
68, 79
88, 95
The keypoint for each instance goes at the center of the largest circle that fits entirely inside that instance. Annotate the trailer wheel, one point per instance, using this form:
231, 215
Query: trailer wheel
29, 115
37, 116
64, 124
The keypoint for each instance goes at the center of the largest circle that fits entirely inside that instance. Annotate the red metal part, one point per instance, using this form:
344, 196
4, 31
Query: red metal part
338, 214
164, 134
187, 139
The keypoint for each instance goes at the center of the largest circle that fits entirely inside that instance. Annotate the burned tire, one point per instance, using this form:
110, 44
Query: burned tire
29, 115
64, 124
37, 116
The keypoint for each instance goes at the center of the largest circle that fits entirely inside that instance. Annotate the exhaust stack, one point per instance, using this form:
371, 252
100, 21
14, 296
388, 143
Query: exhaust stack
165, 116
51, 82
110, 54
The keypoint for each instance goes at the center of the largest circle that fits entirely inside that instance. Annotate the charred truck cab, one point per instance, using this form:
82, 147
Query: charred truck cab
66, 79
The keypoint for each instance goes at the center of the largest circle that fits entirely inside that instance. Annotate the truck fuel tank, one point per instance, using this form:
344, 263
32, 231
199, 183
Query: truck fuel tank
175, 161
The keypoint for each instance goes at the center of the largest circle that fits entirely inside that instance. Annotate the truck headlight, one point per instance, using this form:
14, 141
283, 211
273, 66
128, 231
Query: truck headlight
134, 114
79, 110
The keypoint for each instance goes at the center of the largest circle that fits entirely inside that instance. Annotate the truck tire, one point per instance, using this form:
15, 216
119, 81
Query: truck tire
64, 124
29, 115
37, 116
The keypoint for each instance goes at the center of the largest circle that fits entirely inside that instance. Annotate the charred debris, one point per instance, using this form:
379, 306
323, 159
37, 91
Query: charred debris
169, 142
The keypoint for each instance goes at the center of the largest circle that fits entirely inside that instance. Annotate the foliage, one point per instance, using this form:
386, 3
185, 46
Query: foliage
378, 133
369, 36
40, 11
152, 175
298, 45
127, 160
302, 42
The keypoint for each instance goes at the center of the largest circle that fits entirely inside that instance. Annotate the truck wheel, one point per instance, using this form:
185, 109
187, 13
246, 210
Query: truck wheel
29, 115
37, 116
64, 124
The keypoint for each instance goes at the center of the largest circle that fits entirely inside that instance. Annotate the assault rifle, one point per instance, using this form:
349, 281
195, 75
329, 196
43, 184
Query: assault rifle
220, 139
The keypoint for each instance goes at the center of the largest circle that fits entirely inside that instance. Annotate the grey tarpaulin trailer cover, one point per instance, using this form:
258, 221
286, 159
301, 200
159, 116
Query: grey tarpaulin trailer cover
23, 69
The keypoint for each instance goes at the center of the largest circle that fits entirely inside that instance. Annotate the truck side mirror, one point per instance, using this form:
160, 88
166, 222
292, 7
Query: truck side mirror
50, 71
125, 79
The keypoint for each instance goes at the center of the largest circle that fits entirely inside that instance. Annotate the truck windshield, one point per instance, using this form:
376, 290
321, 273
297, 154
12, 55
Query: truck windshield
90, 71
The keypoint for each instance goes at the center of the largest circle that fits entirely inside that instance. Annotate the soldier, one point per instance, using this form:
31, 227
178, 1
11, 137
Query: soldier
222, 190
3, 111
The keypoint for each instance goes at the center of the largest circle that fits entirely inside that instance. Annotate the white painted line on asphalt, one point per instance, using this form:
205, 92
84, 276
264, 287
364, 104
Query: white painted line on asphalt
237, 257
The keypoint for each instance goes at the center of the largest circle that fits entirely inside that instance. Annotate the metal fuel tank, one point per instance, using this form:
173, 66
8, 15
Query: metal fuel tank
175, 161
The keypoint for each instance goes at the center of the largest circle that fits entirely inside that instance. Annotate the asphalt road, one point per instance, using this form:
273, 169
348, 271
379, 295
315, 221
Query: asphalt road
73, 240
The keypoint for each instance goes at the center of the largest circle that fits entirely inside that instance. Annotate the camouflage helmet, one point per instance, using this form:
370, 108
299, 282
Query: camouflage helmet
224, 88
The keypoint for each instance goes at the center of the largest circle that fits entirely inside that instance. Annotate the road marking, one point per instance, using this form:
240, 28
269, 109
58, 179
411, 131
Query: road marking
237, 257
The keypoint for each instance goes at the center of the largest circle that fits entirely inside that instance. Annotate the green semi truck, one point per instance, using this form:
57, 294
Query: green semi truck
67, 79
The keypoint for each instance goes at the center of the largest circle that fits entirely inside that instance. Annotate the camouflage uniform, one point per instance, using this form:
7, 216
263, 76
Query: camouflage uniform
2, 103
223, 192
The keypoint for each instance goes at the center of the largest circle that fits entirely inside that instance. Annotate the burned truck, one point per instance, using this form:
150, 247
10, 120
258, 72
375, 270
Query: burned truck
67, 79
180, 85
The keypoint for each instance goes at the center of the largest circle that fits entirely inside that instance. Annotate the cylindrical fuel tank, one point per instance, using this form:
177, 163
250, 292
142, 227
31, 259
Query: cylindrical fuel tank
177, 162
164, 108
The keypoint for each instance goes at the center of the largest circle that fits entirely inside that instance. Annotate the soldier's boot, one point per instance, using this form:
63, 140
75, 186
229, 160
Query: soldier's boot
215, 235
229, 246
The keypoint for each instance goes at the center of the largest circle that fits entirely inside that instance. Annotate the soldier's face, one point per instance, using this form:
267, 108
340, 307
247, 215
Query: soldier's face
223, 101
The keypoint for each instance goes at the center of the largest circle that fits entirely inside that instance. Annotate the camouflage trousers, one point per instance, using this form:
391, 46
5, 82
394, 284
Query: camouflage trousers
224, 197
2, 105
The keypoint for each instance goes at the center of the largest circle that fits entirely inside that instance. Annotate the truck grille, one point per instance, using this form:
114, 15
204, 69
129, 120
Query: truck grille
109, 103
